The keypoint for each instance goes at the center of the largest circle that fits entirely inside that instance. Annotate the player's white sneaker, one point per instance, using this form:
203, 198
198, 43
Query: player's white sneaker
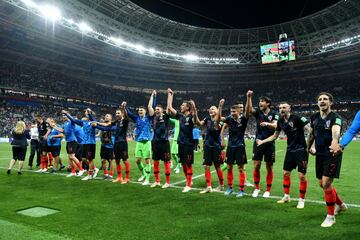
248, 184
142, 178
166, 185
145, 183
71, 175
206, 190
256, 193
155, 184
329, 221
44, 170
186, 189
95, 173
81, 172
39, 170
301, 203
285, 199
340, 208
219, 188
88, 177
266, 194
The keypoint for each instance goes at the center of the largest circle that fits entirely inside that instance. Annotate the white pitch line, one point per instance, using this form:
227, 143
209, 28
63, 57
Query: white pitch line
199, 189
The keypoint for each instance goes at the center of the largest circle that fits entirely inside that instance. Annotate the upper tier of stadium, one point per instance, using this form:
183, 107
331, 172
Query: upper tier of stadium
326, 46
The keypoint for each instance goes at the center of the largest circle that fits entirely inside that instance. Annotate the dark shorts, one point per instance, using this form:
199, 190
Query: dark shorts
196, 142
71, 147
79, 152
295, 159
107, 153
212, 155
55, 150
265, 151
328, 166
236, 155
121, 151
186, 154
19, 153
89, 150
161, 151
43, 146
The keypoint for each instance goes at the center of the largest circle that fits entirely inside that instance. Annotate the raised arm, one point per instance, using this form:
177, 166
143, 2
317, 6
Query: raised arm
90, 115
196, 119
170, 98
104, 128
73, 120
219, 113
248, 107
123, 109
152, 100
130, 114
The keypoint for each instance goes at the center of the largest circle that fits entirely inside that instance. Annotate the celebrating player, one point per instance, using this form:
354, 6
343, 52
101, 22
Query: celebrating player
325, 131
235, 152
296, 154
266, 122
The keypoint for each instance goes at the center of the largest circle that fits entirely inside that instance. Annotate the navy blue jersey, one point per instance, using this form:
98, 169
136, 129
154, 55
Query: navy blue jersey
294, 130
237, 129
212, 137
323, 131
161, 127
43, 128
186, 129
119, 129
264, 132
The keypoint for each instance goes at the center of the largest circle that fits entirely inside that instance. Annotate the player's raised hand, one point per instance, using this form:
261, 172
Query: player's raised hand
123, 104
250, 93
221, 103
64, 112
312, 151
170, 92
94, 124
263, 124
153, 93
259, 142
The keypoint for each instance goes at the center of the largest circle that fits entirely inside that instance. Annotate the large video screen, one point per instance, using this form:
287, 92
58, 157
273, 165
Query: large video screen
278, 52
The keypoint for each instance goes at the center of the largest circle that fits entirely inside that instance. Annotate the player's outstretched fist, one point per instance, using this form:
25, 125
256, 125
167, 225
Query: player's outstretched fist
171, 92
221, 103
250, 93
64, 112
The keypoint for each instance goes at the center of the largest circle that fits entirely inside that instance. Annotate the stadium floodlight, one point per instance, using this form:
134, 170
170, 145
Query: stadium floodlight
140, 47
29, 3
191, 57
84, 27
50, 12
151, 51
117, 41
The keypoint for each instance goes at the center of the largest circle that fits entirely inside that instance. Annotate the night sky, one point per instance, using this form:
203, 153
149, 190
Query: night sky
233, 13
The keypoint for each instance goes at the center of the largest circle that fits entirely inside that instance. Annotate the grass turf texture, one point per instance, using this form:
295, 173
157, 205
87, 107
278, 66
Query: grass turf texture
103, 210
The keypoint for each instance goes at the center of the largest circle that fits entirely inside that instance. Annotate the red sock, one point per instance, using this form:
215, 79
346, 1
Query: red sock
167, 171
127, 169
157, 171
78, 164
106, 171
269, 179
185, 167
287, 183
303, 187
111, 173
242, 179
256, 175
73, 169
230, 178
220, 176
119, 170
208, 177
189, 174
338, 199
330, 198
51, 157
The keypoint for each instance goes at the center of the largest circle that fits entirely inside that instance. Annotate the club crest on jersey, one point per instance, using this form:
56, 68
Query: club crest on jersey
187, 120
327, 123
270, 118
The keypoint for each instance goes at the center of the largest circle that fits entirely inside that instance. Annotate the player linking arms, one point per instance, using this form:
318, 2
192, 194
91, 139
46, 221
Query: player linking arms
296, 152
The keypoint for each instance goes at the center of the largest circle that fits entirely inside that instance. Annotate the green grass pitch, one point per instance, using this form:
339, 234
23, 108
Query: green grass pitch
100, 209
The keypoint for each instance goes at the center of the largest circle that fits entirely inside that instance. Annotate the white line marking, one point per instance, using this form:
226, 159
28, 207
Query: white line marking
199, 189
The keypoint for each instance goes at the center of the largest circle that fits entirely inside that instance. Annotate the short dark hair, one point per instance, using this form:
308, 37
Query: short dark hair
266, 99
189, 105
235, 106
143, 107
159, 105
331, 97
239, 102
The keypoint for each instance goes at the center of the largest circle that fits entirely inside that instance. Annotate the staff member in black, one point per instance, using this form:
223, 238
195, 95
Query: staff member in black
34, 146
19, 144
